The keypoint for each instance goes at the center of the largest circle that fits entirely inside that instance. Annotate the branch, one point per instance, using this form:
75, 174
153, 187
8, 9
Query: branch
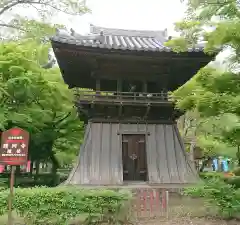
63, 118
53, 7
31, 3
12, 26
9, 6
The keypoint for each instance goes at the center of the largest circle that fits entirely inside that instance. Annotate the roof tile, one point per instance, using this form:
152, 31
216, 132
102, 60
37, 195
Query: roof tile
119, 39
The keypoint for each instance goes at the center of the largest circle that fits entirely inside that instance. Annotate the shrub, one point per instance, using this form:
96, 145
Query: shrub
223, 197
63, 176
59, 205
235, 181
211, 175
28, 180
237, 171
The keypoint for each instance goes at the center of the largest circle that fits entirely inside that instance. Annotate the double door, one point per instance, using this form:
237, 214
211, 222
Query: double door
134, 157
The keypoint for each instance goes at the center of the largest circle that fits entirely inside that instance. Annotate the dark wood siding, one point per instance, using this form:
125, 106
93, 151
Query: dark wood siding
100, 158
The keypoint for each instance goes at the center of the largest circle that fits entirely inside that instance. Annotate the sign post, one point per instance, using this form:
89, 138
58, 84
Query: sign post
13, 152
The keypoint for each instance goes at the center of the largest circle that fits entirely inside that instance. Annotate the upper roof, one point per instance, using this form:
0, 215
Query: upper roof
119, 39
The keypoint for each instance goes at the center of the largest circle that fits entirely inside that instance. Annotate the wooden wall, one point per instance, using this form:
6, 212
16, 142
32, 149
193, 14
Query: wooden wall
100, 158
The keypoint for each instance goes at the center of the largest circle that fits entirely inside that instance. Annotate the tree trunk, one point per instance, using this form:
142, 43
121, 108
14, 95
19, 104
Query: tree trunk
238, 154
18, 170
55, 166
191, 152
37, 167
54, 163
31, 168
37, 170
205, 162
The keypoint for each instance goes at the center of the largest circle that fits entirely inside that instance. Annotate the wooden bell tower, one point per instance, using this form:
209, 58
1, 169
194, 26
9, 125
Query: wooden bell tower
121, 80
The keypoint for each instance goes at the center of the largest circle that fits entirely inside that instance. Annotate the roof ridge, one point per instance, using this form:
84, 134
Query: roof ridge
125, 32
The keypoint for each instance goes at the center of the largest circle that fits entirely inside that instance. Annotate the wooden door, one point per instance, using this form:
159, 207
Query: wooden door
134, 157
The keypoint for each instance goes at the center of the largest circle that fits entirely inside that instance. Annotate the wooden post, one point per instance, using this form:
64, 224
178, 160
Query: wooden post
119, 88
10, 199
98, 87
167, 204
145, 87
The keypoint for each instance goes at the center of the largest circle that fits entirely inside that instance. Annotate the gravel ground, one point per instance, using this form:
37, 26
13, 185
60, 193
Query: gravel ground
189, 221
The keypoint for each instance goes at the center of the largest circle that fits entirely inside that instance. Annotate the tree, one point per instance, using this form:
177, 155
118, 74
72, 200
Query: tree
213, 93
37, 100
43, 8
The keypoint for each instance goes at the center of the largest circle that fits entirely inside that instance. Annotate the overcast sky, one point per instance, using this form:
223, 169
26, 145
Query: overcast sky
128, 14
124, 14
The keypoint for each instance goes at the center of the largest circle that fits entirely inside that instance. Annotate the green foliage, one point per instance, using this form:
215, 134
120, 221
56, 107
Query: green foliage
234, 181
59, 205
223, 197
43, 9
37, 100
28, 180
211, 175
212, 93
236, 171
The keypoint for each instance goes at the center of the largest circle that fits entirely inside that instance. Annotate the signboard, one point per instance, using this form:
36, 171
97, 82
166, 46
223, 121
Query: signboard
14, 147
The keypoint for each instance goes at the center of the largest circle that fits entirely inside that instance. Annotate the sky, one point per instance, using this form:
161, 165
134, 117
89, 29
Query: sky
127, 14
122, 14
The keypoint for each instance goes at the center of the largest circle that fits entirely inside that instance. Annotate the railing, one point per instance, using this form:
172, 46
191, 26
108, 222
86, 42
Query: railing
134, 97
149, 204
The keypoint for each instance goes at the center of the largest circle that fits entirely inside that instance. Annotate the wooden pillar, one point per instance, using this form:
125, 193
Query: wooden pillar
119, 88
145, 87
119, 85
98, 86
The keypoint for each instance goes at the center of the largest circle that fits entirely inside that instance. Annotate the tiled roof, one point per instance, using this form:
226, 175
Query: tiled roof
119, 39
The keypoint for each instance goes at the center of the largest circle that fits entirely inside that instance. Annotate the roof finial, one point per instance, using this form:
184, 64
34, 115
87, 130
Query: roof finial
165, 32
72, 32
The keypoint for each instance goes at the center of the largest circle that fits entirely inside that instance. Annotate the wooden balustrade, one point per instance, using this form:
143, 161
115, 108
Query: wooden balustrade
109, 96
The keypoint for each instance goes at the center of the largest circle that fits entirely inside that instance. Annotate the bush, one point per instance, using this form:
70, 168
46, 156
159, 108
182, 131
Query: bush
28, 180
58, 205
211, 175
235, 181
223, 197
63, 176
237, 171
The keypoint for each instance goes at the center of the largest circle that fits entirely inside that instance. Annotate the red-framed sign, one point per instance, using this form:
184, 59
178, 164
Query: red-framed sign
14, 147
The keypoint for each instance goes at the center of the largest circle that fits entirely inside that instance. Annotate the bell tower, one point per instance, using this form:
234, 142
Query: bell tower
121, 80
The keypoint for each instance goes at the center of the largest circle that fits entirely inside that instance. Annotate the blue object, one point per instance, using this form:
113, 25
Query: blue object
215, 163
225, 165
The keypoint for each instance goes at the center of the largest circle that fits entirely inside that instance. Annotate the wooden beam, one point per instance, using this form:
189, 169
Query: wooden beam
141, 75
130, 55
147, 111
123, 121
126, 103
120, 110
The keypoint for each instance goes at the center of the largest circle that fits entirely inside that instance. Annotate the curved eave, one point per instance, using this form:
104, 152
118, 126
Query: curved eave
77, 45
75, 74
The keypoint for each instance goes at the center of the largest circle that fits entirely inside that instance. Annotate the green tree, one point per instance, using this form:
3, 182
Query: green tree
43, 8
213, 93
37, 100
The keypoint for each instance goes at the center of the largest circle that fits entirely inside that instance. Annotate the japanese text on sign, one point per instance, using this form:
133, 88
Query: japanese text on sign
14, 147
